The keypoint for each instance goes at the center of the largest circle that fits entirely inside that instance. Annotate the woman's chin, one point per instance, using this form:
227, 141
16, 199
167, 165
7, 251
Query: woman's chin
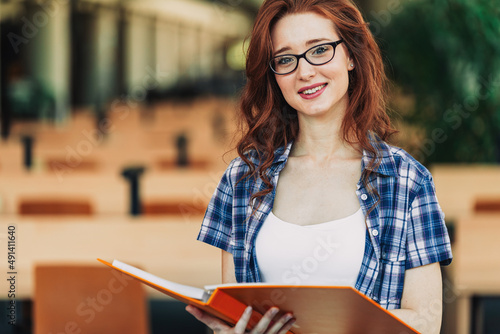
316, 111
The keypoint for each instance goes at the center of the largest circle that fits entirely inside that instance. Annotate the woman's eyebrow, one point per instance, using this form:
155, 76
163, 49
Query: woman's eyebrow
308, 43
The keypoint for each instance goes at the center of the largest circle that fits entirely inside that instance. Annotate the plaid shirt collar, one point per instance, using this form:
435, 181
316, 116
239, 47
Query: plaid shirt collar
386, 167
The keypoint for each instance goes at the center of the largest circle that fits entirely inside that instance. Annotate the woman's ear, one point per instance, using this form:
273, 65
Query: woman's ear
351, 64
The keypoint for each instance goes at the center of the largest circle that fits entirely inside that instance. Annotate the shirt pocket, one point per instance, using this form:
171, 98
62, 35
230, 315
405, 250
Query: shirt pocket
390, 256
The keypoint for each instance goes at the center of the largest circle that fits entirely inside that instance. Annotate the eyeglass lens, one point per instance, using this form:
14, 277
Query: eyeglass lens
317, 55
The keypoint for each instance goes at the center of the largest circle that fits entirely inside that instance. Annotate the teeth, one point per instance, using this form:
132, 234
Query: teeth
313, 90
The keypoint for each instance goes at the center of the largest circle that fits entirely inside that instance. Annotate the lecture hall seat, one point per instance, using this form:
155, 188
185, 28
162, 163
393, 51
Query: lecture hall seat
54, 206
487, 205
88, 299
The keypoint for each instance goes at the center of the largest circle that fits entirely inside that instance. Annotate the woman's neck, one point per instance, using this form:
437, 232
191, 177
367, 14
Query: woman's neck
320, 139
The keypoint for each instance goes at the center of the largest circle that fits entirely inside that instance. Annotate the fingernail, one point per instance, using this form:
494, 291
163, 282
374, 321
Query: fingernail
248, 310
274, 310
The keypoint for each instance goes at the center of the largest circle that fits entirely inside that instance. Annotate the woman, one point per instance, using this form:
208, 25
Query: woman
313, 163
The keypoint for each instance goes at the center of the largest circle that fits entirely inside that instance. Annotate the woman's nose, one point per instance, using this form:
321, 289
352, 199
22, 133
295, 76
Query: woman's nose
305, 71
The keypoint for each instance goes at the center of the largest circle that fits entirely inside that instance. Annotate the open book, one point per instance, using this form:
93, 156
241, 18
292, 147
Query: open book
318, 309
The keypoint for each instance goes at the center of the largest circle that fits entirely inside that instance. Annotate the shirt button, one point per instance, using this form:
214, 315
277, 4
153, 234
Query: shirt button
358, 186
375, 233
364, 197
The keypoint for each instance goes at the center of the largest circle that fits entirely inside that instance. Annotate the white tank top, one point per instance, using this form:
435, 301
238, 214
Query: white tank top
322, 254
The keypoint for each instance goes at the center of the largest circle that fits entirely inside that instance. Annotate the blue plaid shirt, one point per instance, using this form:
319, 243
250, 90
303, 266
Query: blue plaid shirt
405, 230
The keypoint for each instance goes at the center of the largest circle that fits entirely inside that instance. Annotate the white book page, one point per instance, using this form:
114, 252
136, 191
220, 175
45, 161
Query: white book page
185, 290
212, 287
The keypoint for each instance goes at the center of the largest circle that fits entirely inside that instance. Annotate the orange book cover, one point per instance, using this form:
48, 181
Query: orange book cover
318, 309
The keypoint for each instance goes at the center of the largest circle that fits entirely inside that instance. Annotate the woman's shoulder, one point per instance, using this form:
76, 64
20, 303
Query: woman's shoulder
252, 159
406, 164
238, 167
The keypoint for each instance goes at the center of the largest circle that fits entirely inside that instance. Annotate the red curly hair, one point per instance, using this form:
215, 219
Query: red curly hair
267, 119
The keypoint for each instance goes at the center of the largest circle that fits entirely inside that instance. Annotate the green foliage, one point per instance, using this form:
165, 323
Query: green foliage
446, 54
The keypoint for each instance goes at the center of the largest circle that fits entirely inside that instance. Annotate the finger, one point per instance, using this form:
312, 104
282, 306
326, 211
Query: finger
241, 325
263, 324
278, 325
287, 326
212, 322
193, 310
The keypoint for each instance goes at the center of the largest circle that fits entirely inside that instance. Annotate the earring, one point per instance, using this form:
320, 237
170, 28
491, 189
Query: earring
352, 65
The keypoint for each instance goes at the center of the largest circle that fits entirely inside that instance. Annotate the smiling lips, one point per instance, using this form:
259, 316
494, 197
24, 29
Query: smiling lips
312, 91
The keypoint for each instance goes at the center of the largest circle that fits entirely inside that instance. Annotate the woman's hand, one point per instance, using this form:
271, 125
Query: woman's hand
281, 326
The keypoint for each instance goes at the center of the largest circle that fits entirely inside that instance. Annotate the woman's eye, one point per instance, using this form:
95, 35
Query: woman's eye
320, 50
285, 60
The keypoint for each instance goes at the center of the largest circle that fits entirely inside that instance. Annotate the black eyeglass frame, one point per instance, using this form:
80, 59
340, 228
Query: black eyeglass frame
303, 55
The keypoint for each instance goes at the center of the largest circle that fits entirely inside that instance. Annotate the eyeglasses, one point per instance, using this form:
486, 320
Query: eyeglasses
317, 55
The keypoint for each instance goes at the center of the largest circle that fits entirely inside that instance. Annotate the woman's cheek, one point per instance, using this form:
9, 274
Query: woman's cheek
287, 91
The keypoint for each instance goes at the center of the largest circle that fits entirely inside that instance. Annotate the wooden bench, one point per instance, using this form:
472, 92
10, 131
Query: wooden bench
105, 194
130, 138
475, 270
165, 246
460, 187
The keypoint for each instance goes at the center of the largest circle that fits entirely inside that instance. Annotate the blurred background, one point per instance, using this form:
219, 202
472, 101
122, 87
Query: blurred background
118, 118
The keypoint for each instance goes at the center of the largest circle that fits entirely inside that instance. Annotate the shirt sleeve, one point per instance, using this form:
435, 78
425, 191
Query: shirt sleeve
217, 223
428, 240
